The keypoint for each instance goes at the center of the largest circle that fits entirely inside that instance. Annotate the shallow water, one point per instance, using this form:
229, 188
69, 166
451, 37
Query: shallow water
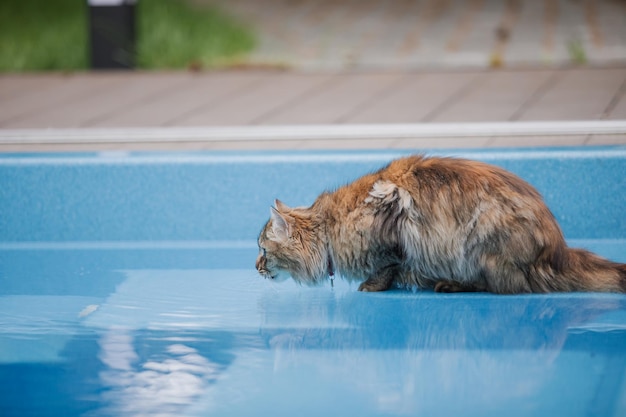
195, 331
127, 288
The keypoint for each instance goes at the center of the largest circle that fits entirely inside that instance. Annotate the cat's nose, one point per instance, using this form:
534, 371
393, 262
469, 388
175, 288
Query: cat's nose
260, 262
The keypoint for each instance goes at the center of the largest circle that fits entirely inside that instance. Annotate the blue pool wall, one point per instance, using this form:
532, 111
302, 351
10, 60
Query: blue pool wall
226, 196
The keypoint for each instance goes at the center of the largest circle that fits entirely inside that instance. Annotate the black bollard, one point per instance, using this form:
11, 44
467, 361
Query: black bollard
112, 34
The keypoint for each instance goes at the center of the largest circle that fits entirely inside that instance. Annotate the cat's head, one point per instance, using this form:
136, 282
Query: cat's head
292, 244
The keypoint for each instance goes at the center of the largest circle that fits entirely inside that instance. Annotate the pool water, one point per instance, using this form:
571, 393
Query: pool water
114, 302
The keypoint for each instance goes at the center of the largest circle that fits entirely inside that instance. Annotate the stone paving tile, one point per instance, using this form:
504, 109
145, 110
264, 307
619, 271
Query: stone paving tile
416, 98
197, 94
15, 85
577, 95
337, 101
617, 108
94, 99
500, 97
132, 93
259, 102
34, 102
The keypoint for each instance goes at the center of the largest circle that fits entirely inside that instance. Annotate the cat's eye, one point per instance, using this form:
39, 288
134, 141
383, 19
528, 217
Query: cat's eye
264, 253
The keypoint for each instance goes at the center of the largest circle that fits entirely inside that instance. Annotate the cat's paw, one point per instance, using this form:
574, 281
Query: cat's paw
445, 286
371, 287
451, 286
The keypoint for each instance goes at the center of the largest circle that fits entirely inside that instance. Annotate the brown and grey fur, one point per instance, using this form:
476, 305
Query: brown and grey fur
443, 223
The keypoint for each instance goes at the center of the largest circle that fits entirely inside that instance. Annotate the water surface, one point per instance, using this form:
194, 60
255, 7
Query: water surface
195, 332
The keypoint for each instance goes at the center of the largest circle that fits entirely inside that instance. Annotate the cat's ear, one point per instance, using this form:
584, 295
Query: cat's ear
280, 226
280, 206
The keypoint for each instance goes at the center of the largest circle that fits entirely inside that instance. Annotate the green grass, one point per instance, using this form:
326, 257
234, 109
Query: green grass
174, 35
577, 52
40, 35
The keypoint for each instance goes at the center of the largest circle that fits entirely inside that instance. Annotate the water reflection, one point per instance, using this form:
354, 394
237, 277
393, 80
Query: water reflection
431, 354
152, 376
226, 343
223, 342
425, 320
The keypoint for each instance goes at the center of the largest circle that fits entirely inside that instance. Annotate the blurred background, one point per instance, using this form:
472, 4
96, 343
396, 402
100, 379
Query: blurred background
323, 35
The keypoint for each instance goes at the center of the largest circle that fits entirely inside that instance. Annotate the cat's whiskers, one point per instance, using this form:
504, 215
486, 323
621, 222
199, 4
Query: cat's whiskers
265, 273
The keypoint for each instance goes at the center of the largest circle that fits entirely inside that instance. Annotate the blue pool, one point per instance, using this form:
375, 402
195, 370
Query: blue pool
128, 288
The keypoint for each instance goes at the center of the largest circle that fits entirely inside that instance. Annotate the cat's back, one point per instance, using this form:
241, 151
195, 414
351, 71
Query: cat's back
444, 183
433, 175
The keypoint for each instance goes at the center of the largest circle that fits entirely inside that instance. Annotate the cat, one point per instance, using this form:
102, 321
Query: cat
446, 224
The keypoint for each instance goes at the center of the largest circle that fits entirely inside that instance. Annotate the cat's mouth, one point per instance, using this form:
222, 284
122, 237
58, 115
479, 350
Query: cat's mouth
276, 277
262, 268
266, 274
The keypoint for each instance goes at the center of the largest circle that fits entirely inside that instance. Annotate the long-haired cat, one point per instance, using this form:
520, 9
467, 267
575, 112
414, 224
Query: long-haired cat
443, 223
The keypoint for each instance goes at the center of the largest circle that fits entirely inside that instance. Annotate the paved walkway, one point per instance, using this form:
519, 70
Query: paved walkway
422, 65
427, 34
260, 98
265, 98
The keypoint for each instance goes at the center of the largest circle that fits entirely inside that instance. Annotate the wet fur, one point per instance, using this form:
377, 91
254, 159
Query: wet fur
442, 223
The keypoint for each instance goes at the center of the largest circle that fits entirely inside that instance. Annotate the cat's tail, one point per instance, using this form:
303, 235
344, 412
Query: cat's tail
581, 270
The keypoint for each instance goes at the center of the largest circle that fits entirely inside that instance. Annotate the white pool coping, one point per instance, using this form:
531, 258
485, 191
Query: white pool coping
310, 132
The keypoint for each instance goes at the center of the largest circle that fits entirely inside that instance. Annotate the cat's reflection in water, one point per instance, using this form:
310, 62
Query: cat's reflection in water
413, 352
